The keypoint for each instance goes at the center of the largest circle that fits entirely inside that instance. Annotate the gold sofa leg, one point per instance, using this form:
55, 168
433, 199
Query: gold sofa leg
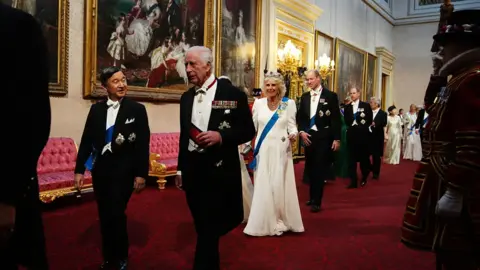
161, 183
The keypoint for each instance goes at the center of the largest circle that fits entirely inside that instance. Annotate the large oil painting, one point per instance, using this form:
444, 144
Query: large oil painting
370, 77
324, 44
147, 39
53, 18
238, 56
350, 71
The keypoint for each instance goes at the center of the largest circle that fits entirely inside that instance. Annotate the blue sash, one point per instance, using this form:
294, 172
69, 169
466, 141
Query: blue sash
342, 111
93, 156
312, 123
266, 130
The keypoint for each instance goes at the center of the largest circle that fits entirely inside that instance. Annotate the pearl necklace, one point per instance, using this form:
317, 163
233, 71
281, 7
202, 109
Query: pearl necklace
273, 105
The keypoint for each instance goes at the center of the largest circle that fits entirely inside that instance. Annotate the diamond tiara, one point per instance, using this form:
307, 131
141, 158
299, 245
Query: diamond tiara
273, 74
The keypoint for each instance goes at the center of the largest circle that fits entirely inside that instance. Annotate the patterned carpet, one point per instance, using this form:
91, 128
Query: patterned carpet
358, 230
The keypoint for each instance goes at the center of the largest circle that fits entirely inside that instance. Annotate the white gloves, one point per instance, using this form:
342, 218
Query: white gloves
450, 204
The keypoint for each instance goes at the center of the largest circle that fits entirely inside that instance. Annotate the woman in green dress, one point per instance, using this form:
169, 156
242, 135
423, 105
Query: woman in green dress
341, 156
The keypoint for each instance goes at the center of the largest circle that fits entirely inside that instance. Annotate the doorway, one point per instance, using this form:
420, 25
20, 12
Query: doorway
385, 79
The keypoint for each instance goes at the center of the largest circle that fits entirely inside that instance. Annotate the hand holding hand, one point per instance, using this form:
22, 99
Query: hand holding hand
209, 138
416, 131
79, 179
178, 181
305, 138
139, 184
450, 204
292, 137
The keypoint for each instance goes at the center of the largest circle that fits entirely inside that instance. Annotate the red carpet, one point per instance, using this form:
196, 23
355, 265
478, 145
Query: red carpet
358, 230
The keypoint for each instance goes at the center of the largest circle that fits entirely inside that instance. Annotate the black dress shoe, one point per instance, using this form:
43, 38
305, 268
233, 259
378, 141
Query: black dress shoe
363, 183
375, 176
123, 265
315, 209
106, 265
308, 203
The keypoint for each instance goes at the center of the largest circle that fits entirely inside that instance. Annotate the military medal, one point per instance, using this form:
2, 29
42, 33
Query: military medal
202, 91
362, 122
132, 137
327, 112
120, 139
320, 113
362, 115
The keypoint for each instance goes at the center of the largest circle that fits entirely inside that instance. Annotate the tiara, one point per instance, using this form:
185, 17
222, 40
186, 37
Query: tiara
273, 74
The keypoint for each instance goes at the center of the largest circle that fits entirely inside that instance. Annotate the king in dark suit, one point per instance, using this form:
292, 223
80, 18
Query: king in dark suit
320, 127
377, 135
214, 120
115, 147
22, 241
358, 118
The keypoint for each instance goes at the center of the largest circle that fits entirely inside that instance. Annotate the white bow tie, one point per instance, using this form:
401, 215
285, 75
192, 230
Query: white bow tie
111, 103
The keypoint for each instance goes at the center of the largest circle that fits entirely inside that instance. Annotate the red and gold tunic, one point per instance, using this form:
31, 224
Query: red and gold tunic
451, 158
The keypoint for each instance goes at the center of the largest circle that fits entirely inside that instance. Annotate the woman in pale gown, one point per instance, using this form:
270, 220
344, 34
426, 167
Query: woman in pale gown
275, 208
394, 137
412, 142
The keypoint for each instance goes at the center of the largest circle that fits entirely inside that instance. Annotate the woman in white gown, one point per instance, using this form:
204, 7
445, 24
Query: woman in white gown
247, 186
394, 137
413, 144
275, 208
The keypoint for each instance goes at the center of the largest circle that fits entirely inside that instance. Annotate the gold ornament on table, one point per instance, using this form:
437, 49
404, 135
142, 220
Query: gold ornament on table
325, 66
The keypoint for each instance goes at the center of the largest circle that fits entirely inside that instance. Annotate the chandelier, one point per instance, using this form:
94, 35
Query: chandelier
325, 66
289, 57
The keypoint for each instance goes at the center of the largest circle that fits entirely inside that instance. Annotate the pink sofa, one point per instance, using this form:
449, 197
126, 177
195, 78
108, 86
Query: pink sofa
55, 169
163, 156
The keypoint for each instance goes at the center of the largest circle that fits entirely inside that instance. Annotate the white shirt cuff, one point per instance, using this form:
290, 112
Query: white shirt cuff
179, 172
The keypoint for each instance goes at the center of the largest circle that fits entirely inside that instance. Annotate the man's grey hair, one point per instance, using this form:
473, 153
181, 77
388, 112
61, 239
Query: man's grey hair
205, 54
315, 72
377, 100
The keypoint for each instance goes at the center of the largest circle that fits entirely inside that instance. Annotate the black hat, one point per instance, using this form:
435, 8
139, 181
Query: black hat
256, 92
463, 24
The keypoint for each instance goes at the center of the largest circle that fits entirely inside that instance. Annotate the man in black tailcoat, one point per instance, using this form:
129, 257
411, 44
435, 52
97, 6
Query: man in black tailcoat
115, 147
377, 135
358, 118
27, 128
319, 122
214, 120
421, 122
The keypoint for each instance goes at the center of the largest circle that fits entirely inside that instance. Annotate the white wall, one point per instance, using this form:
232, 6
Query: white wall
413, 65
356, 23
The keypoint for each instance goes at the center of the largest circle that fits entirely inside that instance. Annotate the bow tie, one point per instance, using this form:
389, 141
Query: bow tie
200, 91
114, 104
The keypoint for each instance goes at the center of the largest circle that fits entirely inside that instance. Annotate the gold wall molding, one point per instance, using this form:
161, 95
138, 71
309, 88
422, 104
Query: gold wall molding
292, 18
385, 65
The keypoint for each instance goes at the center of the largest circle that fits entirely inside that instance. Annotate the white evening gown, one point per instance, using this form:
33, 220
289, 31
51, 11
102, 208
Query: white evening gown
394, 142
413, 143
275, 208
247, 188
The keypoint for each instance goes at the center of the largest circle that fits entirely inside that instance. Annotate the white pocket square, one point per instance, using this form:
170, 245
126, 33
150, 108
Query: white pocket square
129, 121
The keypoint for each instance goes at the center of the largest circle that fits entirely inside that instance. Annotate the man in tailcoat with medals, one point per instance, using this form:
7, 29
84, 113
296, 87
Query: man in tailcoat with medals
319, 123
22, 240
444, 204
214, 120
358, 117
115, 147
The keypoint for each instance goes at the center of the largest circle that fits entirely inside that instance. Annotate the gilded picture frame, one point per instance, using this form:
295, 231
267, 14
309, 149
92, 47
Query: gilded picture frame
92, 87
248, 78
53, 17
370, 87
350, 63
325, 44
